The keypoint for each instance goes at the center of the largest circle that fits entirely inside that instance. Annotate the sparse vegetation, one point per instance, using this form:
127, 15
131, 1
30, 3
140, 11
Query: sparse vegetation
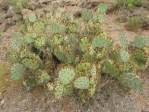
18, 4
129, 3
135, 23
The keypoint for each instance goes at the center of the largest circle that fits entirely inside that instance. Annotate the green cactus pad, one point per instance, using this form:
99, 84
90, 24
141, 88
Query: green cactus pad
81, 83
101, 42
132, 81
17, 71
66, 75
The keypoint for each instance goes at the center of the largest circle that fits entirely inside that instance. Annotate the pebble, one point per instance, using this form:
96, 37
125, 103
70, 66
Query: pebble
2, 102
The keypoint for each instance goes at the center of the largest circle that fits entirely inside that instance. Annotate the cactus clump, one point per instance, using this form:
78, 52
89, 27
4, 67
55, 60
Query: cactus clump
70, 59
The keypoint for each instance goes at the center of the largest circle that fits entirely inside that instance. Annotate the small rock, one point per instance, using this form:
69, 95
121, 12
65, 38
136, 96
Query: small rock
2, 102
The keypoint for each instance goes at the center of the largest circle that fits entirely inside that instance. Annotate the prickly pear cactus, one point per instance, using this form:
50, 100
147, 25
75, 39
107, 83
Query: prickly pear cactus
31, 61
40, 42
63, 49
131, 80
30, 83
87, 14
81, 83
71, 55
66, 75
140, 58
42, 77
88, 76
17, 71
